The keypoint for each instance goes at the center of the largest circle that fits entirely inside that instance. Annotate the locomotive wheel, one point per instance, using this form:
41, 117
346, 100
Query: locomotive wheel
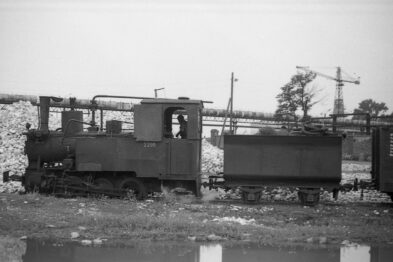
71, 186
104, 184
133, 187
74, 181
251, 194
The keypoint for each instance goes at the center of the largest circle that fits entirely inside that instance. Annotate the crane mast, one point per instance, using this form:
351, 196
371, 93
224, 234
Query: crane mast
338, 106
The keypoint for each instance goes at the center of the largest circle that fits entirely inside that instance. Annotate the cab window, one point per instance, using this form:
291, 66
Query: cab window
175, 123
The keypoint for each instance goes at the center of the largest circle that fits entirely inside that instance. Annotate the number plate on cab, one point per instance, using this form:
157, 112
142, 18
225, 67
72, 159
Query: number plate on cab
149, 145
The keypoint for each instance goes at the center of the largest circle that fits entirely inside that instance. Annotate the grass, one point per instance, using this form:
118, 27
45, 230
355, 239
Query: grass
183, 219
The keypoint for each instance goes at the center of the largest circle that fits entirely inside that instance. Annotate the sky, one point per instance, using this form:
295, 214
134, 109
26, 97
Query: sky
84, 48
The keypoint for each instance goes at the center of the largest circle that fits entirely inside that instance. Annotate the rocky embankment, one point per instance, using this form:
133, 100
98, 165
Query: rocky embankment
13, 119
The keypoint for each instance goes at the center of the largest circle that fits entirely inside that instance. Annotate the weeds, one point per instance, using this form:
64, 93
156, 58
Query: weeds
176, 218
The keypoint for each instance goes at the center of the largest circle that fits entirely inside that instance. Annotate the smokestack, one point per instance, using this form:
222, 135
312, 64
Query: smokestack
44, 111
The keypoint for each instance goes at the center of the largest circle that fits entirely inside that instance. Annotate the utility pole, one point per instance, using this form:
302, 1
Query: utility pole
157, 89
231, 126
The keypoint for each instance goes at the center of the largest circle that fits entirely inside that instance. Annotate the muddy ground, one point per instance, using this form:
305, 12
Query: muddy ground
174, 218
278, 220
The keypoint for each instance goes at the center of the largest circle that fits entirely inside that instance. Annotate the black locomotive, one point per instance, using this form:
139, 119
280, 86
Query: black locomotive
115, 162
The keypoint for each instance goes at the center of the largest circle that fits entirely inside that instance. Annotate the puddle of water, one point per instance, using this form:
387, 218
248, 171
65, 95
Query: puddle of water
73, 252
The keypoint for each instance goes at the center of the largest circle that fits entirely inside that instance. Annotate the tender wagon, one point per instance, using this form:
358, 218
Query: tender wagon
308, 163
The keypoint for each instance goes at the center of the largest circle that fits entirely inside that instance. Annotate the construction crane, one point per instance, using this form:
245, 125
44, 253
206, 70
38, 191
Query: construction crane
338, 107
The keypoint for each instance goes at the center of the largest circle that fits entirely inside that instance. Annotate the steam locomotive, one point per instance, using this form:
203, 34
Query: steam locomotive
76, 160
115, 162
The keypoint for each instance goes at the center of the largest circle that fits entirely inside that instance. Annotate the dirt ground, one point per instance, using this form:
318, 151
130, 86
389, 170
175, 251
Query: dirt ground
113, 221
278, 220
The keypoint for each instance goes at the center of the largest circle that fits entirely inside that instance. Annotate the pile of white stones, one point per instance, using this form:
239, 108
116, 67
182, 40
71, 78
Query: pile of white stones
212, 159
13, 119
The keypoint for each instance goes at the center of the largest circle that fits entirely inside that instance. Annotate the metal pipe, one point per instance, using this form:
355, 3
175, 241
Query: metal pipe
157, 89
94, 103
126, 97
207, 112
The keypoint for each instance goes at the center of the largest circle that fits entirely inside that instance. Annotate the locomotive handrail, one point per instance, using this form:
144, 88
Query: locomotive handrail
94, 104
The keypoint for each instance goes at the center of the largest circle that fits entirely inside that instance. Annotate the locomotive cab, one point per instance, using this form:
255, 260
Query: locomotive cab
156, 127
154, 119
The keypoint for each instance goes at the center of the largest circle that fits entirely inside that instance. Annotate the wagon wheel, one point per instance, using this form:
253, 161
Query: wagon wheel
251, 194
308, 198
133, 187
104, 184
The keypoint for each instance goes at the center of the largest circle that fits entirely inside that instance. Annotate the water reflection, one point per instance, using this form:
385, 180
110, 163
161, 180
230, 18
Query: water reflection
73, 252
210, 253
358, 253
280, 254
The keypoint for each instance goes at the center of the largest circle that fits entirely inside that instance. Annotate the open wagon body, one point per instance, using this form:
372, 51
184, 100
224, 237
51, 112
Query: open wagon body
305, 162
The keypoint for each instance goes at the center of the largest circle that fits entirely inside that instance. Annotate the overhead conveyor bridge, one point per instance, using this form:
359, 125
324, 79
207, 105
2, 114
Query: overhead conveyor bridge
249, 119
